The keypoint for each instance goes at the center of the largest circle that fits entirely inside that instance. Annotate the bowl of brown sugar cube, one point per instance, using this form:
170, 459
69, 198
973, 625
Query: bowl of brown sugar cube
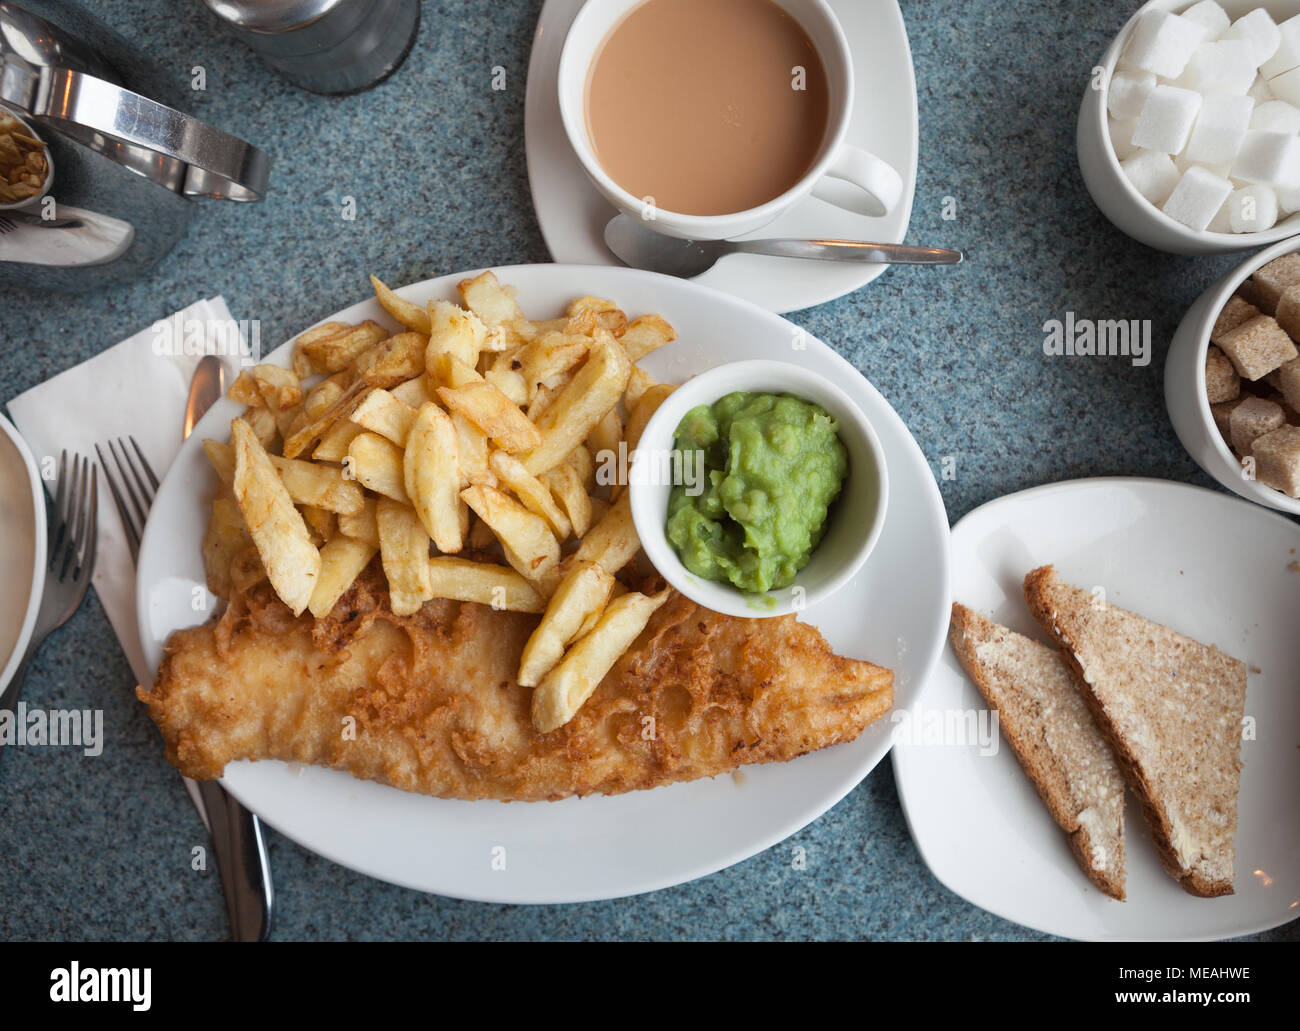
1232, 379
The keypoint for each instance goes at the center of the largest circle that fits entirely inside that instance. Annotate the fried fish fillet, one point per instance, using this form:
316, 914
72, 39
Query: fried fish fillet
429, 703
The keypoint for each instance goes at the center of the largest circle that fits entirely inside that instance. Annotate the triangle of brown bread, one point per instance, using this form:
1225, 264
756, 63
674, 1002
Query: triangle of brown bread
1171, 708
1054, 737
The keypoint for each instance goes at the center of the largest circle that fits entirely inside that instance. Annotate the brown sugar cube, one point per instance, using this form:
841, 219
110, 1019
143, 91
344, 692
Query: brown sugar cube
1289, 413
1277, 460
1248, 292
1221, 380
1272, 280
1258, 347
1251, 419
1287, 379
1288, 311
1222, 414
1234, 313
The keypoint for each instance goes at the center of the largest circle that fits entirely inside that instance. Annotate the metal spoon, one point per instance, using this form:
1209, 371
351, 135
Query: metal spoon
641, 247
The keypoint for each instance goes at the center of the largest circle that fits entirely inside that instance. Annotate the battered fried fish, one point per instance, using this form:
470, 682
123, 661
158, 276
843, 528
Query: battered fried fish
428, 703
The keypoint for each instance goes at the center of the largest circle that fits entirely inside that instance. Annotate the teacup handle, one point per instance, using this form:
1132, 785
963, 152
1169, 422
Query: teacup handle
860, 182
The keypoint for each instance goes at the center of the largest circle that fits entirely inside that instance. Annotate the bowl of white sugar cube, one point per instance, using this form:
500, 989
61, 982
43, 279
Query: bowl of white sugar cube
1189, 133
1232, 379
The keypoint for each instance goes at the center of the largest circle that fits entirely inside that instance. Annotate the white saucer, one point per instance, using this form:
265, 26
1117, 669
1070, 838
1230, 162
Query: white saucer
1204, 563
572, 215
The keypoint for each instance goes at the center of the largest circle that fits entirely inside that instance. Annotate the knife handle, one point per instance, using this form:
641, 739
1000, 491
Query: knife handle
242, 863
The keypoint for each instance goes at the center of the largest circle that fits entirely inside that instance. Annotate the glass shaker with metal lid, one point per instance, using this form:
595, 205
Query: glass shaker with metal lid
326, 46
121, 163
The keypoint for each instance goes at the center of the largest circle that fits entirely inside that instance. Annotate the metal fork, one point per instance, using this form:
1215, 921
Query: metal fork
236, 834
10, 221
72, 520
138, 484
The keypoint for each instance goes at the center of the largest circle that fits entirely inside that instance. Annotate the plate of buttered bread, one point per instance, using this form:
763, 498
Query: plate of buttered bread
1109, 745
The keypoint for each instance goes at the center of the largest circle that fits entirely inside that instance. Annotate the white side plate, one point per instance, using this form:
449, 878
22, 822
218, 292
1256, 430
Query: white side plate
1205, 564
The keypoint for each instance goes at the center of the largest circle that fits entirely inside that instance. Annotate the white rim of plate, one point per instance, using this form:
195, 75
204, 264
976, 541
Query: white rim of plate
900, 774
715, 863
37, 586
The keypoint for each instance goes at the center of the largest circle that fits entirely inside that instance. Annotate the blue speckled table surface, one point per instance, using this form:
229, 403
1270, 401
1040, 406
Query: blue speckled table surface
99, 848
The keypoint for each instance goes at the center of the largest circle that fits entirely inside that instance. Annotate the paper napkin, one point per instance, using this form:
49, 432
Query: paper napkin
136, 388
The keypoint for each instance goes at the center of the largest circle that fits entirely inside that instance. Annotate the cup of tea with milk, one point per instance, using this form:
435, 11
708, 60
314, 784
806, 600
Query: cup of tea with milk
709, 118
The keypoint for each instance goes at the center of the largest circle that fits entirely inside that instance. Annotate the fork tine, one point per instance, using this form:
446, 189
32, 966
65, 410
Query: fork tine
144, 462
72, 519
58, 526
146, 492
118, 450
87, 566
132, 533
83, 514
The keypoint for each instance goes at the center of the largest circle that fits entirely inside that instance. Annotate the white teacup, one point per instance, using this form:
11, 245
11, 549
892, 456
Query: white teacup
843, 175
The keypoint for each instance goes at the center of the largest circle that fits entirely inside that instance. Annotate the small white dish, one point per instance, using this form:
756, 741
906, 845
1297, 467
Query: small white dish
35, 200
853, 524
1185, 397
572, 213
582, 849
22, 548
1109, 186
1196, 560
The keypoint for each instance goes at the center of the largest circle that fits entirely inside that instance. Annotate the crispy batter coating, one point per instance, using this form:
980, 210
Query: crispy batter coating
435, 707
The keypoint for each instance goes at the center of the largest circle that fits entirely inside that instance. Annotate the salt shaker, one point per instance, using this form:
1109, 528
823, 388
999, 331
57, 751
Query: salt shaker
326, 46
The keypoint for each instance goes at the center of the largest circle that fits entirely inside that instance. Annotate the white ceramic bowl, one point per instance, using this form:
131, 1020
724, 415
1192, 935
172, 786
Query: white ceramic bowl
1114, 194
22, 549
1185, 398
33, 201
853, 525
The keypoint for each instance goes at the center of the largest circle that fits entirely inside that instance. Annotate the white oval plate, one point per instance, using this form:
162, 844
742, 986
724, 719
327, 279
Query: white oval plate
572, 214
596, 847
1203, 563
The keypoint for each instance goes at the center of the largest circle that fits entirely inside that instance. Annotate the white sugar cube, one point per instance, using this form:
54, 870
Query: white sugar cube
1287, 87
1272, 158
1276, 116
1288, 51
1224, 66
1287, 200
1128, 92
1163, 43
1252, 209
1222, 221
1197, 198
1121, 136
1220, 129
1260, 31
1152, 174
1260, 90
1182, 162
1167, 119
1211, 16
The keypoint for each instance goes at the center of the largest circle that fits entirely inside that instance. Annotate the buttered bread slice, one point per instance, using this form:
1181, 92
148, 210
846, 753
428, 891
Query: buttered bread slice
1053, 735
1171, 708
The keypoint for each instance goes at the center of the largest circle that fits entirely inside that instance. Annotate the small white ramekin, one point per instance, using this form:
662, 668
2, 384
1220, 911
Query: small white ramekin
855, 520
35, 200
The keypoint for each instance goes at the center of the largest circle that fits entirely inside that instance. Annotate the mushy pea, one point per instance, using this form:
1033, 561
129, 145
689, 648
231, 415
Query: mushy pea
774, 466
